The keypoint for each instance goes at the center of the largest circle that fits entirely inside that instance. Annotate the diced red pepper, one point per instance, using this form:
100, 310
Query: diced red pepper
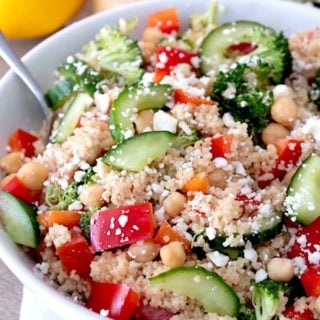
66, 218
249, 204
76, 255
310, 280
221, 146
289, 152
165, 20
242, 48
117, 227
21, 140
118, 299
167, 234
146, 312
168, 58
180, 96
292, 314
311, 241
16, 187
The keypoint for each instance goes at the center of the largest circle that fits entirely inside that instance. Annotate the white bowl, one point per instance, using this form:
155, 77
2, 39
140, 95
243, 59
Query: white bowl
17, 108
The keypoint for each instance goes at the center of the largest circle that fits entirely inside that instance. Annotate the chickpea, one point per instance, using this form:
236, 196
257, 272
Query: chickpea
317, 305
287, 178
218, 178
6, 179
144, 251
174, 204
280, 269
153, 35
284, 111
33, 175
147, 48
144, 120
172, 254
92, 195
11, 162
272, 132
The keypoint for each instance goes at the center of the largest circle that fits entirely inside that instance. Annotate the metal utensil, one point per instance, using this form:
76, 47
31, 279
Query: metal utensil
11, 58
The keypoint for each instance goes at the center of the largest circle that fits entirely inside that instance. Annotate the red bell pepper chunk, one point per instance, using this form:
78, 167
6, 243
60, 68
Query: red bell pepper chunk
221, 146
292, 314
76, 255
16, 187
117, 227
21, 140
118, 300
168, 58
311, 241
180, 96
242, 48
146, 312
289, 152
310, 280
165, 20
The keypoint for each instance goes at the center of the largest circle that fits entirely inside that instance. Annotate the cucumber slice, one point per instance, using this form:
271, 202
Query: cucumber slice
82, 74
137, 152
132, 100
59, 93
19, 219
269, 228
71, 118
302, 202
205, 286
213, 51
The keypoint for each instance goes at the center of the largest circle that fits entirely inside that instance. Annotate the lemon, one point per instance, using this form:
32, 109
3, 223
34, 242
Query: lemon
34, 18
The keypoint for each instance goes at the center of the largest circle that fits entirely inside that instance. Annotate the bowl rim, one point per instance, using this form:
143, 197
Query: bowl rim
44, 291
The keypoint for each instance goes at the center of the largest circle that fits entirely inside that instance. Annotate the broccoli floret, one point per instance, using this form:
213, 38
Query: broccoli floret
241, 92
119, 54
200, 26
246, 314
314, 92
266, 298
273, 50
184, 140
85, 220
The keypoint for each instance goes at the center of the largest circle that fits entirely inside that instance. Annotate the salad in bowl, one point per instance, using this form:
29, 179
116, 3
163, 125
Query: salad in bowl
181, 176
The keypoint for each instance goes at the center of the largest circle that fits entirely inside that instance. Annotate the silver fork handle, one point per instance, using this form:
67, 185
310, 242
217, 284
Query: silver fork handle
10, 57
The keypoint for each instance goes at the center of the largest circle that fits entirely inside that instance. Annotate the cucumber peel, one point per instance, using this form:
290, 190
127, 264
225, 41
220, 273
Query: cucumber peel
302, 202
132, 100
135, 153
19, 219
215, 295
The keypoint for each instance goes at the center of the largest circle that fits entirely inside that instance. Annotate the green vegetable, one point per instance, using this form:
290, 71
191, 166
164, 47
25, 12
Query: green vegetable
59, 93
246, 314
198, 283
266, 298
119, 54
85, 220
272, 48
132, 100
302, 202
71, 117
19, 219
58, 199
247, 102
137, 152
127, 26
314, 92
88, 79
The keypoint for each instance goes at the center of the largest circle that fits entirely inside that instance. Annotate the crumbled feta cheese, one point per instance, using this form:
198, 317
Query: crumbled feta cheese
312, 127
260, 275
58, 235
219, 259
250, 253
163, 121
220, 162
102, 101
211, 233
75, 206
281, 90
